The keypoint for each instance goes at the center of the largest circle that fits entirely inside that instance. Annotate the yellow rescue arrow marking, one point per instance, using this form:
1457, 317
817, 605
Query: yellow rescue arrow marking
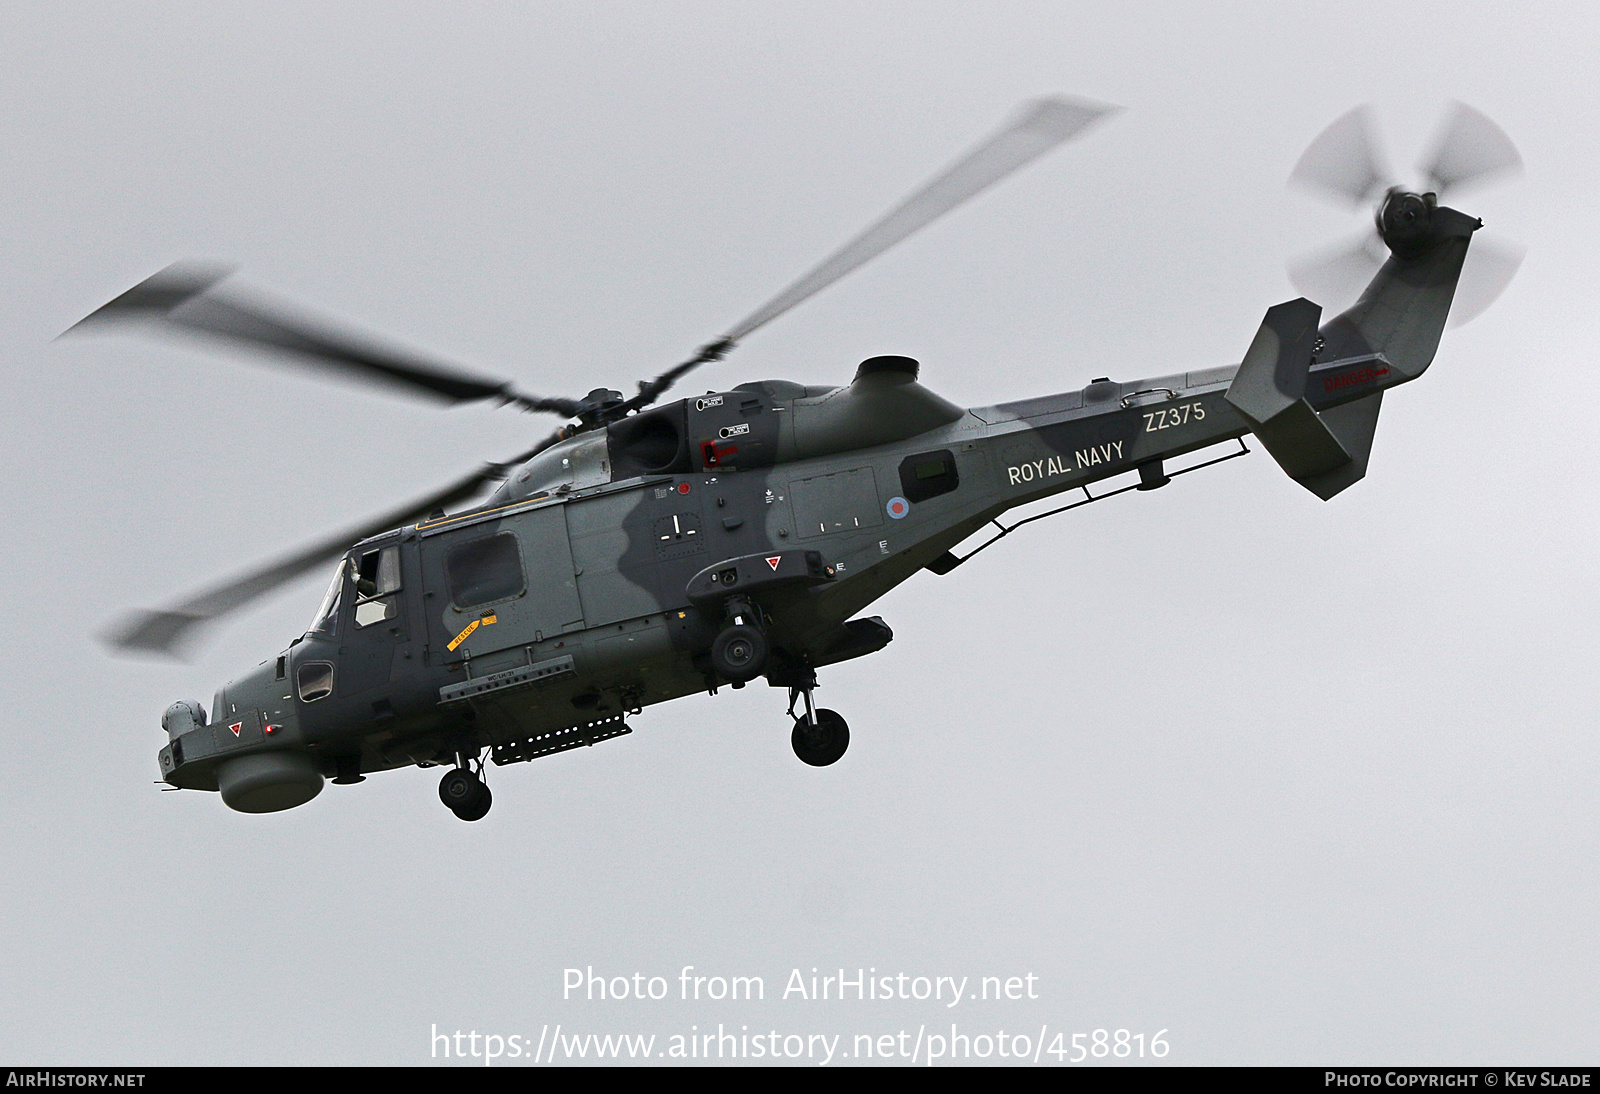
462, 637
485, 620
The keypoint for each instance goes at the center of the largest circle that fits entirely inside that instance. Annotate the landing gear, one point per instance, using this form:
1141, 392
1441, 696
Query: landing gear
820, 736
464, 794
739, 653
823, 743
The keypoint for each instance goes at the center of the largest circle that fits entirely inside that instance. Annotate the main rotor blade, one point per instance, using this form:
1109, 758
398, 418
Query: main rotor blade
1468, 149
1344, 160
166, 631
1040, 127
188, 297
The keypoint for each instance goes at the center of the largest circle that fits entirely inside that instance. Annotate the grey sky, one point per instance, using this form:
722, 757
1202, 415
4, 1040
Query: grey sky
1297, 782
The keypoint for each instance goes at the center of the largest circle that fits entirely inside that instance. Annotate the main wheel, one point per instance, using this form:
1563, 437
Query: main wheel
739, 653
460, 789
821, 744
479, 809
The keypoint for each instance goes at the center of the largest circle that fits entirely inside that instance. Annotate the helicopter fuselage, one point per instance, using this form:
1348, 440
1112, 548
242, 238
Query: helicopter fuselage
593, 584
644, 552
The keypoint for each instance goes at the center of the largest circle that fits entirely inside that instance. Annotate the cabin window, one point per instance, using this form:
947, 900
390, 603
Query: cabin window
377, 586
928, 475
483, 570
314, 680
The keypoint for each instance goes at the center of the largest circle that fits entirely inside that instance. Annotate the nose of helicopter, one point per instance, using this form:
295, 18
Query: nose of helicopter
249, 750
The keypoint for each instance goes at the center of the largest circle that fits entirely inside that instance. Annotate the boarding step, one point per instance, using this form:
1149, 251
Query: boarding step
523, 676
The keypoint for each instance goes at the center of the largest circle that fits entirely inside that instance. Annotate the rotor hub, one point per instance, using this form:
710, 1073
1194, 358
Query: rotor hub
1405, 221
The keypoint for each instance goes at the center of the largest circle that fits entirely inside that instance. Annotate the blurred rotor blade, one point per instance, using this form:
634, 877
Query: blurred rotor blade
1491, 264
1345, 160
167, 631
650, 390
186, 297
1468, 150
1335, 277
1038, 128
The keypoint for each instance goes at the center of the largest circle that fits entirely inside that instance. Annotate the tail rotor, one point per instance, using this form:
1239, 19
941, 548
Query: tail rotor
1346, 162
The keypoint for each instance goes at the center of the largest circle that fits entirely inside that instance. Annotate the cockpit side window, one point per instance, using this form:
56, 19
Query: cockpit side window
377, 582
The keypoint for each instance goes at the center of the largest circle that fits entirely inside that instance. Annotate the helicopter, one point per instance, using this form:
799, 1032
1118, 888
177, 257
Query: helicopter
647, 551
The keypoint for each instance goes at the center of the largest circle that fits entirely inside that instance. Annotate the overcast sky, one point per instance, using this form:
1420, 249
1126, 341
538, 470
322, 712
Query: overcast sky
1294, 781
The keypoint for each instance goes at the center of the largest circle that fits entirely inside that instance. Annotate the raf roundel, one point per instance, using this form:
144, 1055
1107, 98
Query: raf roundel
898, 507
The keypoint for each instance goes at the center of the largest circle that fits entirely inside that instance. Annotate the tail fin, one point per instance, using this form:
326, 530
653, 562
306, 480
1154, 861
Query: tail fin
1393, 329
1403, 311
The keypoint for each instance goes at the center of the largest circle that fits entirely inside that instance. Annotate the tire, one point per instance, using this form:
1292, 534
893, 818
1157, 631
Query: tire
739, 653
823, 744
478, 809
460, 788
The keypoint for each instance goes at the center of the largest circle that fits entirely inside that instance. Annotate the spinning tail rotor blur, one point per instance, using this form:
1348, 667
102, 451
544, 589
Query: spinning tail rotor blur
1346, 164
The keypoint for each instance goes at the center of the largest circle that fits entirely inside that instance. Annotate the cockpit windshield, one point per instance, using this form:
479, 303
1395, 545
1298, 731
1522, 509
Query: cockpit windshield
327, 619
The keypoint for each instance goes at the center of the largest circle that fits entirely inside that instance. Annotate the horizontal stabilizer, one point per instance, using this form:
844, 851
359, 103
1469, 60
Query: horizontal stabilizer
1353, 426
1323, 452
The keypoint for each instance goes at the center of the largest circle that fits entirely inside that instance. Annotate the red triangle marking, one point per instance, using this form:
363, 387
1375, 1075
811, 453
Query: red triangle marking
774, 560
236, 727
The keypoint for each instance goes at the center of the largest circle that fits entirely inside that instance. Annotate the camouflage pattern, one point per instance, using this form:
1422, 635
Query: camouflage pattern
611, 557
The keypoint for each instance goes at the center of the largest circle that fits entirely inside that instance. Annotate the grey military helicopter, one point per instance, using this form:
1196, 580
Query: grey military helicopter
645, 552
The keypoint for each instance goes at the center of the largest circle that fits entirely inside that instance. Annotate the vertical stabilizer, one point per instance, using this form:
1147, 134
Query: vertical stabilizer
1323, 452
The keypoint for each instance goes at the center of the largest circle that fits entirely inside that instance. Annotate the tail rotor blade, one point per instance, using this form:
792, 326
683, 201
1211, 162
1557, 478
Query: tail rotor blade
1335, 277
1345, 160
1469, 149
1490, 266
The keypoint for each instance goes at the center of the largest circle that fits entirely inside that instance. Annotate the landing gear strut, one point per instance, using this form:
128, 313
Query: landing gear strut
820, 737
464, 792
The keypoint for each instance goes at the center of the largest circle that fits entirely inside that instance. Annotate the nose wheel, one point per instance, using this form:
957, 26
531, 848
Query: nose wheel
465, 794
